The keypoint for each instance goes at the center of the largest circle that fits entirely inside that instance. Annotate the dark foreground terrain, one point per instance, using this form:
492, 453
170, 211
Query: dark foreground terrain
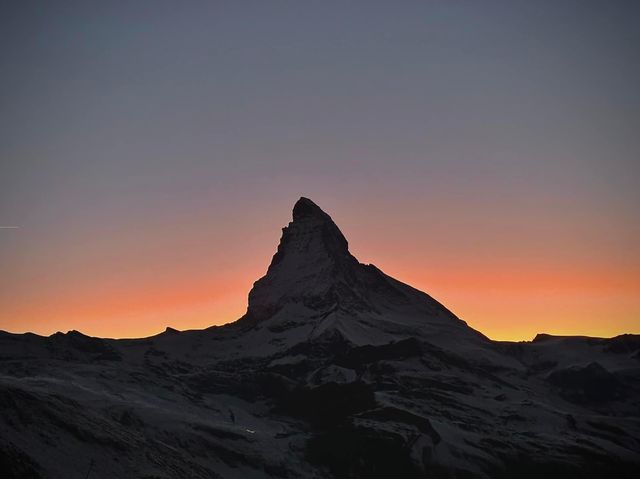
336, 370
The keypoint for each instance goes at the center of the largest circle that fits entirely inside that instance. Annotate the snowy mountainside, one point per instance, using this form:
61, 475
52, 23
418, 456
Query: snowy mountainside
336, 370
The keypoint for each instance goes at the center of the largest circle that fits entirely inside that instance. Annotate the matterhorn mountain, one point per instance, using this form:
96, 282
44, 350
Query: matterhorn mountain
316, 291
335, 371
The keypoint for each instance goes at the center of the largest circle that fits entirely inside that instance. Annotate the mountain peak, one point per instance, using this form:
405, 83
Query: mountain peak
311, 227
305, 208
312, 256
313, 281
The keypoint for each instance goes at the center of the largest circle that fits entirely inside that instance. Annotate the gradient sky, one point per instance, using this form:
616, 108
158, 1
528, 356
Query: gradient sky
485, 152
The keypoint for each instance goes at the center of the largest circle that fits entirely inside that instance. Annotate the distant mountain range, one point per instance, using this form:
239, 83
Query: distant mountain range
336, 370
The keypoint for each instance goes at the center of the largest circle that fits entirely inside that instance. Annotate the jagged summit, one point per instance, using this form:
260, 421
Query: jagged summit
315, 286
305, 208
310, 223
312, 257
311, 237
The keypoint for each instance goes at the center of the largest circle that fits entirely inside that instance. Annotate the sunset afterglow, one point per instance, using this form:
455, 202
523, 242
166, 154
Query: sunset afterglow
486, 155
200, 275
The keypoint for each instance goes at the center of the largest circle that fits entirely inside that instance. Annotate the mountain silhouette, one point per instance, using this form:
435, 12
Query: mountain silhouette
314, 284
336, 370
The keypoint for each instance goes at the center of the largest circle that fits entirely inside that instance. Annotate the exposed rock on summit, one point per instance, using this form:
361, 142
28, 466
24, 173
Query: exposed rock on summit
311, 264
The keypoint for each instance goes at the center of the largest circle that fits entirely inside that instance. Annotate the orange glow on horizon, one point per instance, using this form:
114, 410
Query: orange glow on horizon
516, 303
504, 304
137, 284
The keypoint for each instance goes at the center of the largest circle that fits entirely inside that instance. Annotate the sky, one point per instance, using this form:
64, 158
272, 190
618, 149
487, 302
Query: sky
486, 152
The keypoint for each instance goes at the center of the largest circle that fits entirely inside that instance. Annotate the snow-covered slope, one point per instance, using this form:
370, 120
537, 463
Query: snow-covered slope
336, 370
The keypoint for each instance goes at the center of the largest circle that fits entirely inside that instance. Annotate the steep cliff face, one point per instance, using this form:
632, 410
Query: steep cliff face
312, 266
